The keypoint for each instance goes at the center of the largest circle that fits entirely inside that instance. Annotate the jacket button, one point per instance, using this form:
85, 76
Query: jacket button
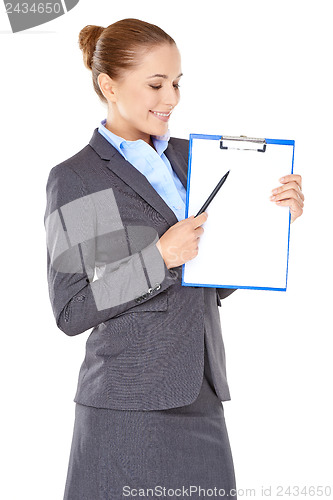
157, 286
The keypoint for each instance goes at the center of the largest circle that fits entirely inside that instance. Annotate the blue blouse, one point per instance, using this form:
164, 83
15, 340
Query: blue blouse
154, 165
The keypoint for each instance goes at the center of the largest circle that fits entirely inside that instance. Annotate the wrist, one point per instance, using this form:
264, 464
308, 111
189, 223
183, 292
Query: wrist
158, 245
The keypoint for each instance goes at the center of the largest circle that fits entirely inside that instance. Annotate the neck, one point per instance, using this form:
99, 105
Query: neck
117, 126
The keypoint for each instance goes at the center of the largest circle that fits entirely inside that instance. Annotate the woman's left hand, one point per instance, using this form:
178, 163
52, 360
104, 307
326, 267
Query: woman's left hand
290, 195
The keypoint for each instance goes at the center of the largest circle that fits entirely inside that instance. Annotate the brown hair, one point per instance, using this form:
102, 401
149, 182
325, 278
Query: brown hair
116, 48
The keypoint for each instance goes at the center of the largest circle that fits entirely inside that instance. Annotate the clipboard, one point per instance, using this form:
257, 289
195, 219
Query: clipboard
246, 237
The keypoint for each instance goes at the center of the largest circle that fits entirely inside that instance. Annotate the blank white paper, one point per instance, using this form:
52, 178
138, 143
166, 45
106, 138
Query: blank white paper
245, 239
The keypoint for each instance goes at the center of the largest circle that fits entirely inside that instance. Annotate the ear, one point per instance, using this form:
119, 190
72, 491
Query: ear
107, 86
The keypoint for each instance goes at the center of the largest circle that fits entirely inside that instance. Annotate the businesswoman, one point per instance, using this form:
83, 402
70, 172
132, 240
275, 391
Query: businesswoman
149, 418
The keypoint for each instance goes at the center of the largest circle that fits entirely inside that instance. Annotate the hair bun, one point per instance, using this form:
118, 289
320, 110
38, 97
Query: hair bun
88, 37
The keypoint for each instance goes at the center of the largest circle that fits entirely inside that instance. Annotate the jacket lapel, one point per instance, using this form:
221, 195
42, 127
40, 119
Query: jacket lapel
178, 163
137, 181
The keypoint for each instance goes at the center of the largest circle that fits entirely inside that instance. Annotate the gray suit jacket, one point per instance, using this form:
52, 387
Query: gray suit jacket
146, 350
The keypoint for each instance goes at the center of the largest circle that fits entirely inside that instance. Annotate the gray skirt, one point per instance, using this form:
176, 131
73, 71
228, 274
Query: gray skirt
181, 452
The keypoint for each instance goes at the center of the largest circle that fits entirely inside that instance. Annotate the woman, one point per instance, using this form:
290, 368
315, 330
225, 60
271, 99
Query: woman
149, 414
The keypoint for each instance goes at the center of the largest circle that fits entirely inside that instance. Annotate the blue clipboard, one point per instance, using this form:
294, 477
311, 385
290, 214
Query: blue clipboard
246, 237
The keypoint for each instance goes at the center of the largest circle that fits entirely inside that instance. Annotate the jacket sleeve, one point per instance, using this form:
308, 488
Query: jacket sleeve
225, 292
222, 293
96, 267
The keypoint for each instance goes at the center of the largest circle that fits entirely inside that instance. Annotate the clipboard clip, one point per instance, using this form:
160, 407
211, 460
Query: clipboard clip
243, 139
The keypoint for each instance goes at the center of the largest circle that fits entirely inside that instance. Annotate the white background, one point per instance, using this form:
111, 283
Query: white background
257, 68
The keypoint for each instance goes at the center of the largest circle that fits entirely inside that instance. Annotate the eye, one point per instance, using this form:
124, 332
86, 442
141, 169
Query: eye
157, 87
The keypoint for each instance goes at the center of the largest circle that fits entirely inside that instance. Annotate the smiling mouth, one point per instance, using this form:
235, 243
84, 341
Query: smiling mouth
158, 113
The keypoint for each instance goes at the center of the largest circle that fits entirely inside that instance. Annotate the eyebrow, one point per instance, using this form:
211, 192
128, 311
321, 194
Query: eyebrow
163, 76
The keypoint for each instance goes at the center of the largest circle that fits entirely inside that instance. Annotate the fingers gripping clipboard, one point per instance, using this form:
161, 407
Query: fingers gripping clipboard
246, 237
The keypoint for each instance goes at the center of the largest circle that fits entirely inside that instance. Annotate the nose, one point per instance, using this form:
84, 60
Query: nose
171, 97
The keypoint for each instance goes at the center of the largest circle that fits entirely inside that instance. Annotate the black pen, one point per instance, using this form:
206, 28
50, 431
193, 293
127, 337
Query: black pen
211, 196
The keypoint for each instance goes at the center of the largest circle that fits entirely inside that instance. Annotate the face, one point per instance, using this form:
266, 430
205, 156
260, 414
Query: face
139, 103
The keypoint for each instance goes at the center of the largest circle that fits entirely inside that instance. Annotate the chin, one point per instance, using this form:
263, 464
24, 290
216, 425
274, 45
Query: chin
162, 129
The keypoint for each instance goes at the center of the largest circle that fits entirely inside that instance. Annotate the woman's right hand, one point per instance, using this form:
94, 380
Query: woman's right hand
180, 242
